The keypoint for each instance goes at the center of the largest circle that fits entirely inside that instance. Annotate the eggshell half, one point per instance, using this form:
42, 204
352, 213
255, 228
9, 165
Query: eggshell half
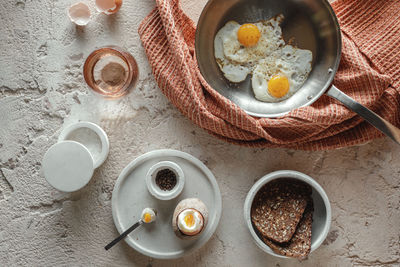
79, 14
108, 7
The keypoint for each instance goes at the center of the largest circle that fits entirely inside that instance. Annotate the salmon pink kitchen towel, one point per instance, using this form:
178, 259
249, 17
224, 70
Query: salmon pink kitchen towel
369, 72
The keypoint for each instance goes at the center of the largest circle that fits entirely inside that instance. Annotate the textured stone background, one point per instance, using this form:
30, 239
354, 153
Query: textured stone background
42, 90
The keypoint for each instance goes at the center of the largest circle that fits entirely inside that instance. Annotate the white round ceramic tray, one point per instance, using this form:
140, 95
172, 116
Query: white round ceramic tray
130, 197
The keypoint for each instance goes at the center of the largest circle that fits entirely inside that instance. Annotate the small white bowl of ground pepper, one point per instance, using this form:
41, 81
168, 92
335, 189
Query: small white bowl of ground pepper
165, 180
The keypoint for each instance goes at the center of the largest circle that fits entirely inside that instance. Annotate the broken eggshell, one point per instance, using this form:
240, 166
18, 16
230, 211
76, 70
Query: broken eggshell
108, 6
79, 14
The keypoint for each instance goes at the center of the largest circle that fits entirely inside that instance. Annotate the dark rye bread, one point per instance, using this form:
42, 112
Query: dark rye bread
300, 244
278, 208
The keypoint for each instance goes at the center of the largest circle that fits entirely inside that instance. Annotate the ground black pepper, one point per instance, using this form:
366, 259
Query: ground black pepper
166, 179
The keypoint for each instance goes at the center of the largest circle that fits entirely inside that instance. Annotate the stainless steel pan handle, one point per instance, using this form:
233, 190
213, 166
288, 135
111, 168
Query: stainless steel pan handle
370, 116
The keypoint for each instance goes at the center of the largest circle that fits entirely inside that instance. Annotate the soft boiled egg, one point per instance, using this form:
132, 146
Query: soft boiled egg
148, 215
190, 222
190, 217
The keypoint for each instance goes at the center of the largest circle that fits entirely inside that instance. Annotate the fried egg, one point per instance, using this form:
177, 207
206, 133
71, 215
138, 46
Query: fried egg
190, 222
238, 48
278, 70
278, 77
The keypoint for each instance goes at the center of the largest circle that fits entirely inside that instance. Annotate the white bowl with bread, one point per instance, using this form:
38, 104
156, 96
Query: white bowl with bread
288, 214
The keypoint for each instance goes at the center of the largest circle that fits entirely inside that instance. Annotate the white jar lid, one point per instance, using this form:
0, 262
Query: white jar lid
68, 166
91, 136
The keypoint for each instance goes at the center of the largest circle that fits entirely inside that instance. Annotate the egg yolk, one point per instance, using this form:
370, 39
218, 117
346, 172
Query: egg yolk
189, 220
278, 86
248, 35
147, 217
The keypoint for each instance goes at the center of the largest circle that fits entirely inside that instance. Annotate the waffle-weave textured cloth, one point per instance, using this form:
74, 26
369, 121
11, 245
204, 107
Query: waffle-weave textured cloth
369, 72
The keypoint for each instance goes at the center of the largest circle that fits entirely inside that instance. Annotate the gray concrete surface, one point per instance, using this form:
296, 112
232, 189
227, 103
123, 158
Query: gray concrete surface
42, 90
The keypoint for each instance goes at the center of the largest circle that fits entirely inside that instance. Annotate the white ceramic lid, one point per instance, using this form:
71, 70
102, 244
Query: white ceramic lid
92, 136
68, 166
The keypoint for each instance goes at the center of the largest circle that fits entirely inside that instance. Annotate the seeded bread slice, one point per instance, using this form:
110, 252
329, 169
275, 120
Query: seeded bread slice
300, 244
278, 208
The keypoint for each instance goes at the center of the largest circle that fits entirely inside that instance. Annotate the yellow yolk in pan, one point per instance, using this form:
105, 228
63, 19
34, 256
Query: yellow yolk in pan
278, 86
248, 35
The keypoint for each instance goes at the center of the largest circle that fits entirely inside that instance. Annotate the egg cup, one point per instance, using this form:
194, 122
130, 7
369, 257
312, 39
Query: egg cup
194, 204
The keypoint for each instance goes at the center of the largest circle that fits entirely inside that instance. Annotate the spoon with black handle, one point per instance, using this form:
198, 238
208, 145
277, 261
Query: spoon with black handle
148, 216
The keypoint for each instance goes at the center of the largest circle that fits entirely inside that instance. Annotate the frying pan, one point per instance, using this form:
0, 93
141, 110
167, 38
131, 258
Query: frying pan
314, 26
